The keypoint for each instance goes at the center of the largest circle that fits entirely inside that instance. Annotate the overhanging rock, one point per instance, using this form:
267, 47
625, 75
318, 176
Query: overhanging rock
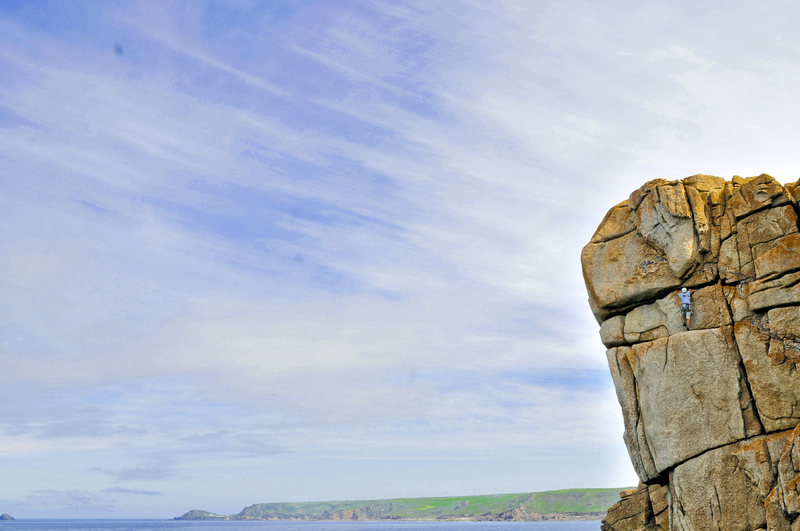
710, 413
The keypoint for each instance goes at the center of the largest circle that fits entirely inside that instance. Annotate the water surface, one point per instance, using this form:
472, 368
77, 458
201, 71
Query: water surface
202, 525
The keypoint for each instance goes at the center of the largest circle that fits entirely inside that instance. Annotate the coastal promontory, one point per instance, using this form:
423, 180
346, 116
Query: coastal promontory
567, 504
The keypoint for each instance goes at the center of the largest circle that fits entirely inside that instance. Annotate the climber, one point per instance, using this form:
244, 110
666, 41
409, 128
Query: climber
686, 306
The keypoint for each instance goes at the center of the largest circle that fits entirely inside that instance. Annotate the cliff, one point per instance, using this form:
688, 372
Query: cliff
711, 413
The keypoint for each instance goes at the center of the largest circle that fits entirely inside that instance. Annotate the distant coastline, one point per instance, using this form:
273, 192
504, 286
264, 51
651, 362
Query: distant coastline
568, 504
536, 517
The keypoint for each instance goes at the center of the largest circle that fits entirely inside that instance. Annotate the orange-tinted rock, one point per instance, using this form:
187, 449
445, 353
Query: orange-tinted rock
756, 193
782, 257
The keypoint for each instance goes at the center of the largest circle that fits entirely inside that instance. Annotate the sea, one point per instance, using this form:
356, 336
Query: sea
200, 525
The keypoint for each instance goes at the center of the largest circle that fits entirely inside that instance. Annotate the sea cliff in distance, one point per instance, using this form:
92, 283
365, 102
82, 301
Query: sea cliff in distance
569, 504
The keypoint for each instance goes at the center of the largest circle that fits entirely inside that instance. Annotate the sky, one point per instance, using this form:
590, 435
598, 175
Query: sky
323, 250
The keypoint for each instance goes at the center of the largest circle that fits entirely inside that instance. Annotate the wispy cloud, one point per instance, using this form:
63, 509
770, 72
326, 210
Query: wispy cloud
135, 492
156, 468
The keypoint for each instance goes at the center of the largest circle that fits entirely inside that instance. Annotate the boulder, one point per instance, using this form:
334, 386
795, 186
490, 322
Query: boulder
645, 507
624, 271
612, 331
664, 220
771, 363
756, 193
668, 386
618, 222
773, 291
782, 257
748, 485
713, 492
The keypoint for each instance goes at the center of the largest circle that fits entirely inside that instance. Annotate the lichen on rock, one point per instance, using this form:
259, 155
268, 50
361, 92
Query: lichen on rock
711, 414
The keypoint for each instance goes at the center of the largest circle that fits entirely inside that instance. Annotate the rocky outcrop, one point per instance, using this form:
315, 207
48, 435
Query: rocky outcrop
645, 507
6, 516
711, 414
197, 514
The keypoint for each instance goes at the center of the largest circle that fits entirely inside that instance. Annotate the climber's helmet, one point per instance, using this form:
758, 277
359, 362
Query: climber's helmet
683, 290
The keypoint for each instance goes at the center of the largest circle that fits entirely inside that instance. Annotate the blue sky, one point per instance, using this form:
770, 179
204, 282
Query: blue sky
315, 250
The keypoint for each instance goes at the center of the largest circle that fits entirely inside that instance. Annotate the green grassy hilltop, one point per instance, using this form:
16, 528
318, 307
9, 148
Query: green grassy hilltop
554, 504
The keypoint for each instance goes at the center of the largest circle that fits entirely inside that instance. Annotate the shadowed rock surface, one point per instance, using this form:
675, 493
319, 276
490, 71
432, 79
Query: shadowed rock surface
711, 414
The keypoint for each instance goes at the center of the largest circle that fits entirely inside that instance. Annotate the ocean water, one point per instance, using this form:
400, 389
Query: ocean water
189, 525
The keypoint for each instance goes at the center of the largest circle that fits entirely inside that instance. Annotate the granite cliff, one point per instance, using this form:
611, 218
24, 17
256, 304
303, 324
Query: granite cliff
711, 414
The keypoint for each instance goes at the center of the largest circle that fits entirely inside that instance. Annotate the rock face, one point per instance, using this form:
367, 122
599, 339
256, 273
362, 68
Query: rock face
645, 507
711, 414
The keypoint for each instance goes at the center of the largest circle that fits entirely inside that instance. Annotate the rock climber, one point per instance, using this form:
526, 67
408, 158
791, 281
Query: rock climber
686, 306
